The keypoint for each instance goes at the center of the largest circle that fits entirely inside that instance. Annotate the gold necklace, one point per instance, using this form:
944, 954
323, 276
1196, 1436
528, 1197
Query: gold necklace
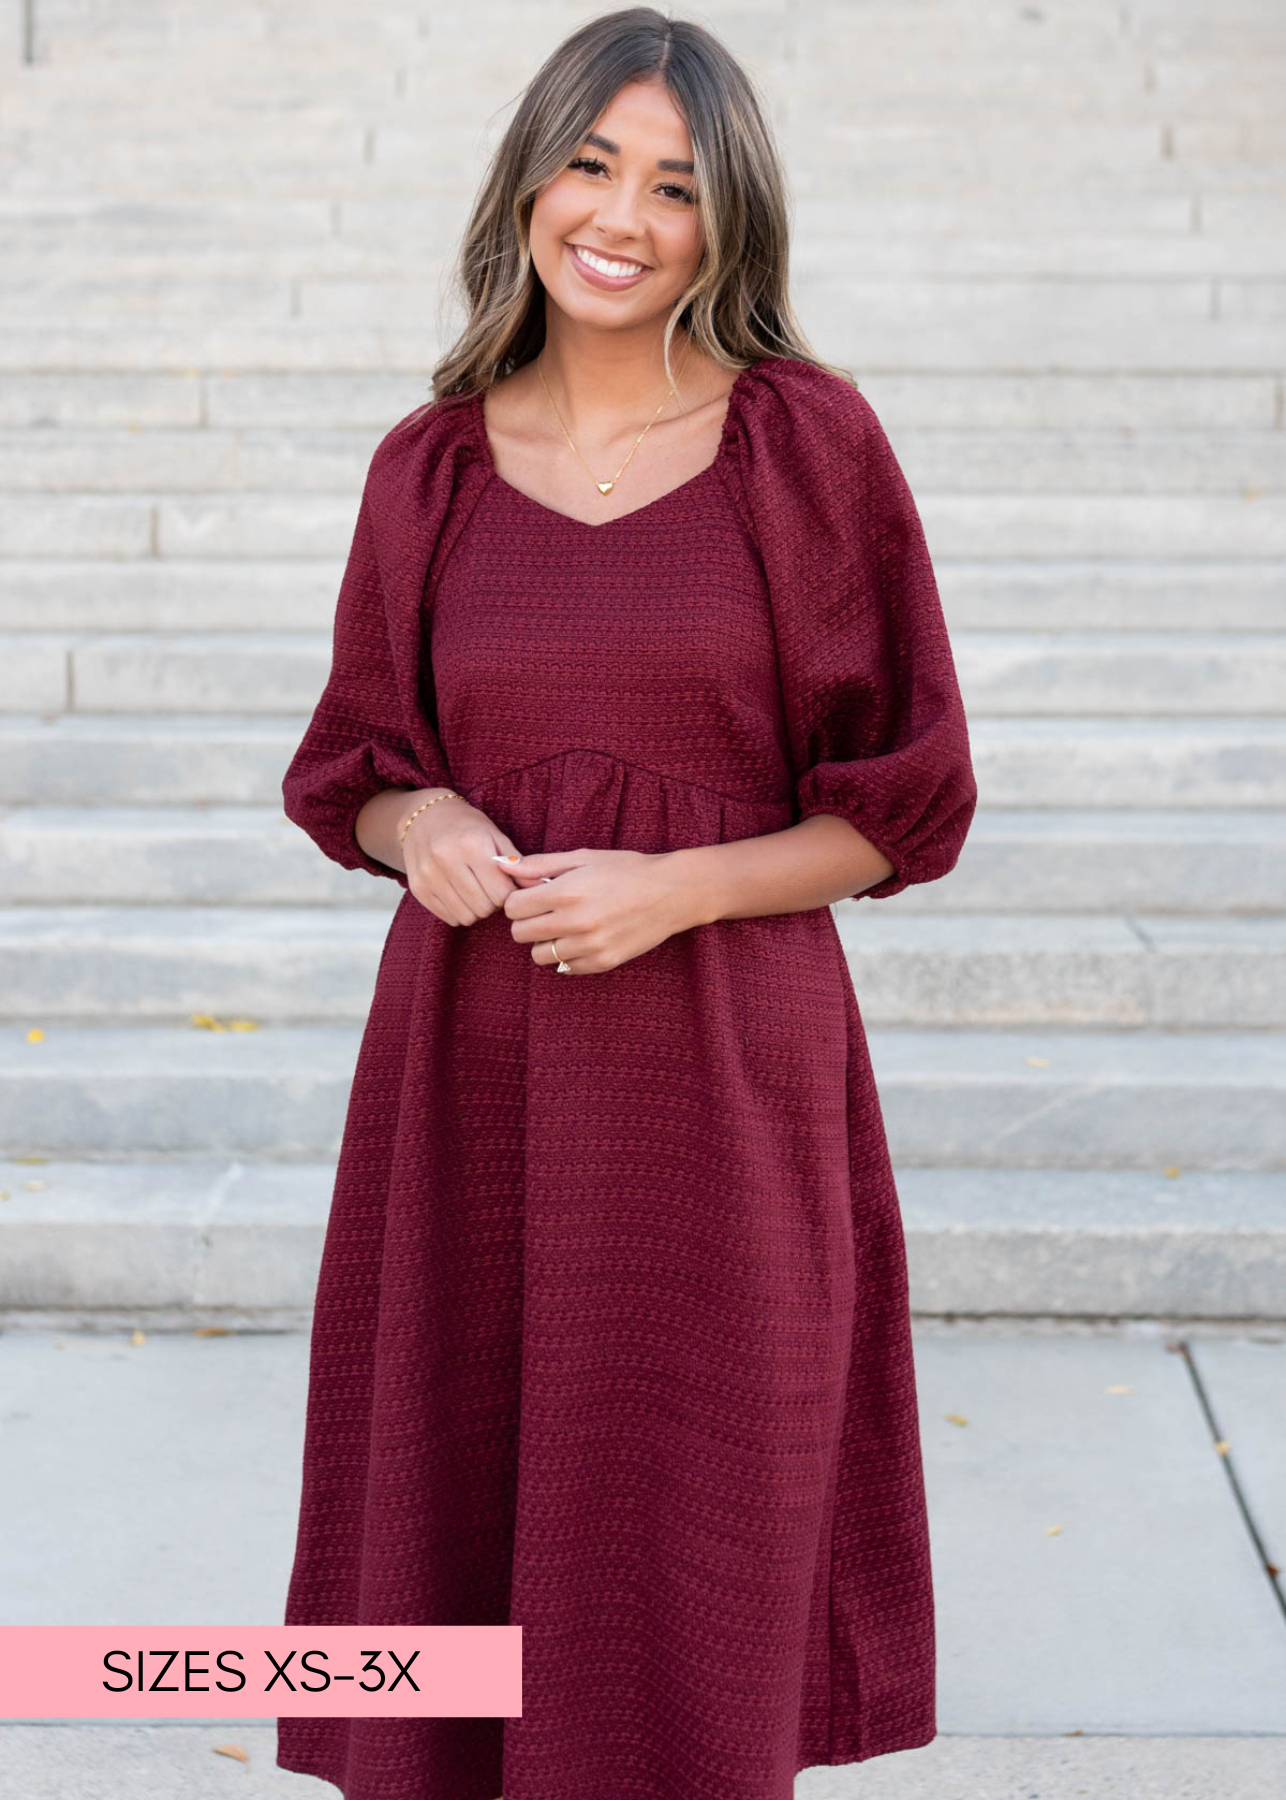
605, 487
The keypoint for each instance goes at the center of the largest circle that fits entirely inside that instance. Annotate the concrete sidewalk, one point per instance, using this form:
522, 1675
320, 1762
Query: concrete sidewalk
1107, 1624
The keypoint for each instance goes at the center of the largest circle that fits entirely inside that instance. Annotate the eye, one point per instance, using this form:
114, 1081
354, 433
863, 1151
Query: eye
672, 190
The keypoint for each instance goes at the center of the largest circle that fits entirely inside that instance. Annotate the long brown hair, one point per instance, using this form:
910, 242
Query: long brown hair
737, 307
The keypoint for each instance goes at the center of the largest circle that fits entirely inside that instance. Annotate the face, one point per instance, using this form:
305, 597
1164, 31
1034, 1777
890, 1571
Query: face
616, 237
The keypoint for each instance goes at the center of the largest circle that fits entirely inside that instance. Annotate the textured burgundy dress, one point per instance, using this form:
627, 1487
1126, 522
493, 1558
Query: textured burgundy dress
612, 1337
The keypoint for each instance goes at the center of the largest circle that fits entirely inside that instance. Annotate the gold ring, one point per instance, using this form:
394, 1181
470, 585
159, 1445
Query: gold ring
563, 967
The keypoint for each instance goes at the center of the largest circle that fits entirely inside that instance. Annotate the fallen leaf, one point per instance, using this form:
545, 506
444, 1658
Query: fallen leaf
4, 1193
1171, 1171
29, 1159
35, 1184
1123, 1388
1221, 1445
137, 1337
208, 1022
209, 1331
1052, 1530
1038, 1062
35, 1035
231, 1750
956, 1418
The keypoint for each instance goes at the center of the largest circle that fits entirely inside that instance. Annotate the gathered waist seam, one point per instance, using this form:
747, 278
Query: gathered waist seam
625, 762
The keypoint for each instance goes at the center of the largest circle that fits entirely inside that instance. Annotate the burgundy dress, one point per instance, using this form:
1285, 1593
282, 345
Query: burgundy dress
612, 1337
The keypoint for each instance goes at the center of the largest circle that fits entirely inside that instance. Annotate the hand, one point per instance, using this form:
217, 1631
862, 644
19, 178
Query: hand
448, 851
603, 906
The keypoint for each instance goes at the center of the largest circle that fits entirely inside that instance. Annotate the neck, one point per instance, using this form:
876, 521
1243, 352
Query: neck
607, 375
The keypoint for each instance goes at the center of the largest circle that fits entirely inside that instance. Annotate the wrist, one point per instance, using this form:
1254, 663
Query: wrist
692, 890
423, 798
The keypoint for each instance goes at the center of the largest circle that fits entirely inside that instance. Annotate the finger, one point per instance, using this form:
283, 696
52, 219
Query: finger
530, 906
489, 881
473, 893
438, 888
530, 928
570, 946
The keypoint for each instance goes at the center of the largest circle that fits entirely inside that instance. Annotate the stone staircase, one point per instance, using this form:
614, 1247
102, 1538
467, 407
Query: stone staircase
1050, 241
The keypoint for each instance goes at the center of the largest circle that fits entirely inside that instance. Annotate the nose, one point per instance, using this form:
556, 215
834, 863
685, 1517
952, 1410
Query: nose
617, 213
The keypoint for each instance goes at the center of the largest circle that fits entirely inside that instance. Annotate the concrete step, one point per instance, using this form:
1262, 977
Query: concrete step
999, 154
965, 309
371, 401
1004, 331
186, 35
961, 460
1037, 862
982, 342
219, 459
892, 321
1008, 969
230, 526
189, 346
166, 594
169, 1090
1036, 1097
1236, 265
185, 856
184, 760
1133, 674
155, 594
1051, 400
1129, 673
158, 963
246, 1237
187, 672
114, 297
231, 759
281, 964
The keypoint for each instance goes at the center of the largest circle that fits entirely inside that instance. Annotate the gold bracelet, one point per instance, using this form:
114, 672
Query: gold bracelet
451, 795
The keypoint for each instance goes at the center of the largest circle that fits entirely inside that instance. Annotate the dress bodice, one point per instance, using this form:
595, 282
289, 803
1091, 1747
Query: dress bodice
647, 639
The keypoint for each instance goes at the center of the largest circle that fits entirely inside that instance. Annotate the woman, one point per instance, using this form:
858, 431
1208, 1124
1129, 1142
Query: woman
638, 665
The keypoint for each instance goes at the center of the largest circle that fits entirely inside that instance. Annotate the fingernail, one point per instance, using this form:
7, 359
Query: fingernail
497, 856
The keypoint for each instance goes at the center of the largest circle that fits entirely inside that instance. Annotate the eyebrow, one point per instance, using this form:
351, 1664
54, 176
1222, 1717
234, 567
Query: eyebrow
671, 164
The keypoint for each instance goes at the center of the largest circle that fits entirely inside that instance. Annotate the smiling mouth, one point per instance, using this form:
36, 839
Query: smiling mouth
615, 268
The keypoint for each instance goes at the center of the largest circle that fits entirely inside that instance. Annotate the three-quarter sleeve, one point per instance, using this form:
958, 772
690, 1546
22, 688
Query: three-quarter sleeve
356, 743
873, 711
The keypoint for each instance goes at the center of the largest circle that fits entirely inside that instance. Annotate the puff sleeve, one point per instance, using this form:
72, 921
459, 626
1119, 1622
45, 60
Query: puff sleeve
357, 742
873, 711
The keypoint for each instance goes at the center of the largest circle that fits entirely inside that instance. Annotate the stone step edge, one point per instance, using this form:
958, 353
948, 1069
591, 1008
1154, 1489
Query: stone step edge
242, 1241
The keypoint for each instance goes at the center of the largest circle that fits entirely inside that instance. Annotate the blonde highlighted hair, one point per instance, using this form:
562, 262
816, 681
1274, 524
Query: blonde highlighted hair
737, 307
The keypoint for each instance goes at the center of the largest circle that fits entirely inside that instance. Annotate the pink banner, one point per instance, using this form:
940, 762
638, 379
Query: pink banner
350, 1671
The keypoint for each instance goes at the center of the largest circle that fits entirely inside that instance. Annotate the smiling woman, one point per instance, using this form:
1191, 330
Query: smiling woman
639, 663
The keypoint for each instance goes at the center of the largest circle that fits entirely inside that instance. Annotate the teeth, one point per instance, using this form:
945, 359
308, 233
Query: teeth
603, 266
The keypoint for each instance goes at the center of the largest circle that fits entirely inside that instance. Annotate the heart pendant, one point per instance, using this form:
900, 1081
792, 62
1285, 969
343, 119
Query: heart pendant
604, 487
